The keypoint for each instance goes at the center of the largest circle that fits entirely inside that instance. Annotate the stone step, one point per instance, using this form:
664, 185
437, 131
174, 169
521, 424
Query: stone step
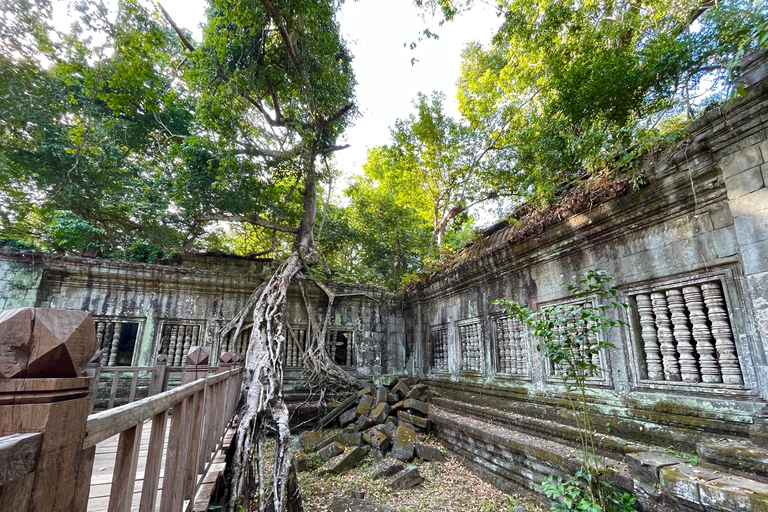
739, 454
511, 460
612, 446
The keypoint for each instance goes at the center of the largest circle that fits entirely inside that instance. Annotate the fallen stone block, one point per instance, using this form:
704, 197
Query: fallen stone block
365, 391
330, 417
392, 398
417, 391
347, 417
403, 444
309, 440
401, 388
378, 440
363, 422
377, 455
380, 413
428, 453
406, 479
416, 406
351, 439
647, 464
343, 462
385, 469
396, 407
328, 440
381, 395
405, 424
301, 461
389, 428
418, 421
364, 406
330, 451
342, 504
391, 420
357, 495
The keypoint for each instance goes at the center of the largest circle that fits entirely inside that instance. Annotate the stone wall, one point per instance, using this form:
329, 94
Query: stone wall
688, 252
170, 308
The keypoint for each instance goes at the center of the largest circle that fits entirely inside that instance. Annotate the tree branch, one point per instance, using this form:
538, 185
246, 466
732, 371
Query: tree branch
176, 28
249, 219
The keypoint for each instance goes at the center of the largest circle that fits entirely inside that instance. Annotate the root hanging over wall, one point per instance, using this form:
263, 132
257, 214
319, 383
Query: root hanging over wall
263, 387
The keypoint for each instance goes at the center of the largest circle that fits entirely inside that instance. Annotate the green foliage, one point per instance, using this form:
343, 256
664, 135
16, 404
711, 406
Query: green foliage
693, 460
18, 244
68, 232
569, 336
142, 252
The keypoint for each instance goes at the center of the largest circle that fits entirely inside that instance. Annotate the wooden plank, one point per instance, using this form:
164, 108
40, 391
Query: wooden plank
154, 462
134, 379
113, 391
84, 475
121, 493
15, 495
168, 502
177, 490
106, 424
18, 455
193, 453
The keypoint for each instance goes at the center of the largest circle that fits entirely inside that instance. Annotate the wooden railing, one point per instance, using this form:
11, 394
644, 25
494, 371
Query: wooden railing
48, 442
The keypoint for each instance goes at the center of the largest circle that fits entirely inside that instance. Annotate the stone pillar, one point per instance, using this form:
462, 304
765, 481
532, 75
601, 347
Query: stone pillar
42, 355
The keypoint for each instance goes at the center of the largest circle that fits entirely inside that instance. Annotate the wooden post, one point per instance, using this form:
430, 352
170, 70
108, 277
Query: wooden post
159, 382
197, 364
93, 370
44, 352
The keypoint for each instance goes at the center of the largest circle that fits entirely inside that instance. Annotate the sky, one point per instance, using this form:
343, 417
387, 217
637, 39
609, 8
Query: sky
378, 33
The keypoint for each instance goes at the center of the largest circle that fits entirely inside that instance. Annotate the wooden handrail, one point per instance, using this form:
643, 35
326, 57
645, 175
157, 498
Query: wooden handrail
105, 424
18, 455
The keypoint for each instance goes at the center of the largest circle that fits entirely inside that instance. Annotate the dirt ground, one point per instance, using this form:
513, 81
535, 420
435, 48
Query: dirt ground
448, 486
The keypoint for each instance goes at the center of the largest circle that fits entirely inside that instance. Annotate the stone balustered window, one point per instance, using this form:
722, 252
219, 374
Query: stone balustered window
177, 338
293, 350
117, 340
237, 345
511, 347
471, 343
438, 339
686, 335
340, 347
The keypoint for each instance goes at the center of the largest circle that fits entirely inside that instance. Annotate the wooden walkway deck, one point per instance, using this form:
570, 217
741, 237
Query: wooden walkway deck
104, 468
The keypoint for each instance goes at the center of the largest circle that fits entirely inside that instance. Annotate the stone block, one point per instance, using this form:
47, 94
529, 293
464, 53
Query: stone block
755, 257
724, 241
389, 428
396, 407
342, 504
364, 406
749, 203
740, 161
343, 462
681, 482
363, 422
378, 440
414, 405
377, 455
301, 461
330, 451
380, 413
720, 215
417, 391
381, 395
403, 444
752, 228
308, 441
351, 439
385, 469
418, 421
392, 398
744, 182
648, 464
391, 420
365, 391
328, 440
406, 479
401, 389
740, 455
428, 453
357, 495
401, 423
347, 418
735, 494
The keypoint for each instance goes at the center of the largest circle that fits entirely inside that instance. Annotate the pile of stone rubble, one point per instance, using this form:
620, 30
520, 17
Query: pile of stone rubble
387, 423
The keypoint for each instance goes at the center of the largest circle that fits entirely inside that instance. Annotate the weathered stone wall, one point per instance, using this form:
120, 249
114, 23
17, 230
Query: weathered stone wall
187, 304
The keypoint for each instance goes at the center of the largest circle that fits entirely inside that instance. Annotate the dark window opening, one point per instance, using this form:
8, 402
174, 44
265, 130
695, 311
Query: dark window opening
341, 349
126, 344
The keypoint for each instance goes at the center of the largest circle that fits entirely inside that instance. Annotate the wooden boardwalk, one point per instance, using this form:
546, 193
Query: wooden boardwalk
104, 468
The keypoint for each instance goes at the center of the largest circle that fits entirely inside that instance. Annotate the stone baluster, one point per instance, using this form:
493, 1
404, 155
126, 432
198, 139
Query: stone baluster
349, 350
665, 337
710, 369
178, 358
172, 345
648, 334
187, 344
505, 351
100, 334
105, 342
595, 360
721, 331
682, 333
115, 342
519, 349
